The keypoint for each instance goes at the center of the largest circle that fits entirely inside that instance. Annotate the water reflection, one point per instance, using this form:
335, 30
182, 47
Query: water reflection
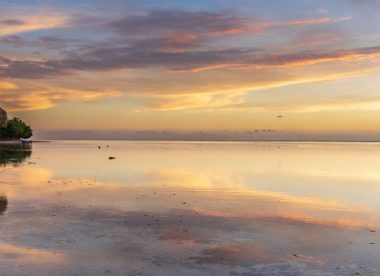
170, 209
14, 154
3, 204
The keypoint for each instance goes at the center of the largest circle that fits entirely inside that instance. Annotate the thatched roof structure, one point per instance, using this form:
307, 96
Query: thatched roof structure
3, 117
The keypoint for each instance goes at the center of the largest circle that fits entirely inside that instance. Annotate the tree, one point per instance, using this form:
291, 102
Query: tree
15, 129
3, 117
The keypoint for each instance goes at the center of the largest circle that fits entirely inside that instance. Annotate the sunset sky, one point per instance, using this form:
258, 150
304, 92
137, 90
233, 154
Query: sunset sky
215, 69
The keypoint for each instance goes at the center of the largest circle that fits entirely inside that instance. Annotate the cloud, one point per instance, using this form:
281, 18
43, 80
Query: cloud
162, 55
6, 85
50, 42
169, 39
133, 57
32, 96
319, 37
172, 39
204, 23
333, 103
27, 23
224, 88
12, 22
169, 21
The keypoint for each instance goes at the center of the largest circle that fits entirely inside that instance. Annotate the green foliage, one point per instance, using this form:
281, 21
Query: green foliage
15, 129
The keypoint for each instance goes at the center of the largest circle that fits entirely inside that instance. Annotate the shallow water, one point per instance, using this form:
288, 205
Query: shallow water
190, 208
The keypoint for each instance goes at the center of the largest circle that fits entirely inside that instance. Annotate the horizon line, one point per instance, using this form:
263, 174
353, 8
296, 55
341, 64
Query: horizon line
214, 140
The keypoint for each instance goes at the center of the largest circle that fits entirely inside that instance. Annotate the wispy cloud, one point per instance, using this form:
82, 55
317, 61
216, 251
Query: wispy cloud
133, 58
26, 23
179, 59
31, 96
205, 23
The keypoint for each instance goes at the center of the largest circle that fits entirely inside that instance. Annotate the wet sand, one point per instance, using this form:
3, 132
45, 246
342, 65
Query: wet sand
190, 209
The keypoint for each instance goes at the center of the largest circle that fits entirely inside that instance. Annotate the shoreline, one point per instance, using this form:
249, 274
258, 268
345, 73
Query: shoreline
9, 142
221, 141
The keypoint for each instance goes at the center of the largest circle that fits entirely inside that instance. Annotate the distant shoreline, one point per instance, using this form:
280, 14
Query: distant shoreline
14, 142
193, 140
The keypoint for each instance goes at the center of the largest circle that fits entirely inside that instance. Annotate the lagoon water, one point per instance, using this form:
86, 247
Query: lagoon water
190, 208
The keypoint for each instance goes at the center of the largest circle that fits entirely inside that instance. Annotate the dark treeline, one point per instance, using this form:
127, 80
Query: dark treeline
15, 128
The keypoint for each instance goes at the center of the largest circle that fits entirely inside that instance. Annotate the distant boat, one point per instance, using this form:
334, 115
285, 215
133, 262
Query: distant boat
25, 141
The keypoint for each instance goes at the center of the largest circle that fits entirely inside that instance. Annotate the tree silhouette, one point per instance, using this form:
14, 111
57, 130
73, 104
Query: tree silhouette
15, 128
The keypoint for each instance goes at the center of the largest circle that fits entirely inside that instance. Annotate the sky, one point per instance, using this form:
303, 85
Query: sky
200, 69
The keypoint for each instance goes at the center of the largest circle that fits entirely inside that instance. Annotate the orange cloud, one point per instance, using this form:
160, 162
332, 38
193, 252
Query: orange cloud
232, 95
259, 26
21, 24
5, 85
179, 42
182, 38
38, 96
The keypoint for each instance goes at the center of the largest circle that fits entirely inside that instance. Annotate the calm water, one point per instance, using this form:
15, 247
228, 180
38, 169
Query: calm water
190, 208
